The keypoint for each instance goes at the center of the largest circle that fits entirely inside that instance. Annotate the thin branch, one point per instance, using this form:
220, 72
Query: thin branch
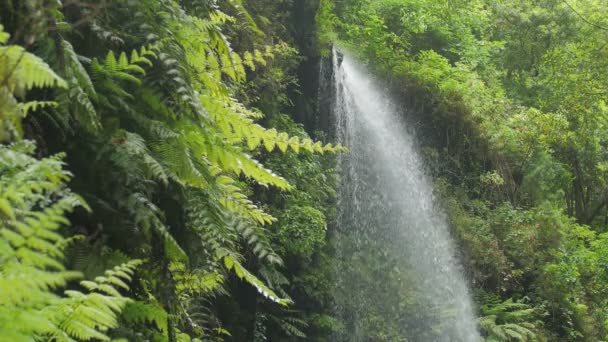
585, 19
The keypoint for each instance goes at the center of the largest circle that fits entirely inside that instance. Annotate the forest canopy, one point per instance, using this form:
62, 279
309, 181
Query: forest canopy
168, 173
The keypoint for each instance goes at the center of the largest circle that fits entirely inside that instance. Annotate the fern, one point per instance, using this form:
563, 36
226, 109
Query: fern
216, 236
164, 131
137, 312
291, 326
78, 100
89, 316
195, 289
109, 74
509, 320
233, 264
20, 71
26, 107
33, 206
234, 121
233, 199
131, 148
147, 217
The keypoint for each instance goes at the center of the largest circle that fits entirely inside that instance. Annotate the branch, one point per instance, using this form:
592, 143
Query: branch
585, 19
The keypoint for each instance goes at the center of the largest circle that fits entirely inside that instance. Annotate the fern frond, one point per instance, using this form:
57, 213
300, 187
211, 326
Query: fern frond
113, 70
232, 264
128, 148
508, 320
26, 107
21, 71
146, 217
34, 203
290, 325
89, 316
234, 121
136, 312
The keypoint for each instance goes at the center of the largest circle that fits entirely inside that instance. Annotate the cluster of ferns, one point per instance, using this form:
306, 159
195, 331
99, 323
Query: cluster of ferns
150, 202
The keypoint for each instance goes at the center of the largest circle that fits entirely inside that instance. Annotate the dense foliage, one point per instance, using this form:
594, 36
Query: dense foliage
154, 183
148, 106
511, 99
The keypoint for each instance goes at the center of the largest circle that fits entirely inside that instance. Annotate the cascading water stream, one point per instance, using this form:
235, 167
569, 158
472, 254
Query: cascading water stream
397, 276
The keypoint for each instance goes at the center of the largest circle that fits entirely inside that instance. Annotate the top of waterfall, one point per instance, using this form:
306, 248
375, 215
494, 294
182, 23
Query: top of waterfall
340, 57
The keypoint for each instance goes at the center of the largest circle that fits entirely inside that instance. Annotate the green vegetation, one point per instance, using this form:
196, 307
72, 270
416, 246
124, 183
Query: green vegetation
512, 100
163, 175
148, 105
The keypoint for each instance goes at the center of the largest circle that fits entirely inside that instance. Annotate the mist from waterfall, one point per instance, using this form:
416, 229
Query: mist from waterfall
397, 272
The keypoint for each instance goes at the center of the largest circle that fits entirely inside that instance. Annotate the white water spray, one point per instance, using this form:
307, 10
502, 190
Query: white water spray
416, 290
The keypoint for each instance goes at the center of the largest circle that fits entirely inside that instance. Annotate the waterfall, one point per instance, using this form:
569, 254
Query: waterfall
397, 277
